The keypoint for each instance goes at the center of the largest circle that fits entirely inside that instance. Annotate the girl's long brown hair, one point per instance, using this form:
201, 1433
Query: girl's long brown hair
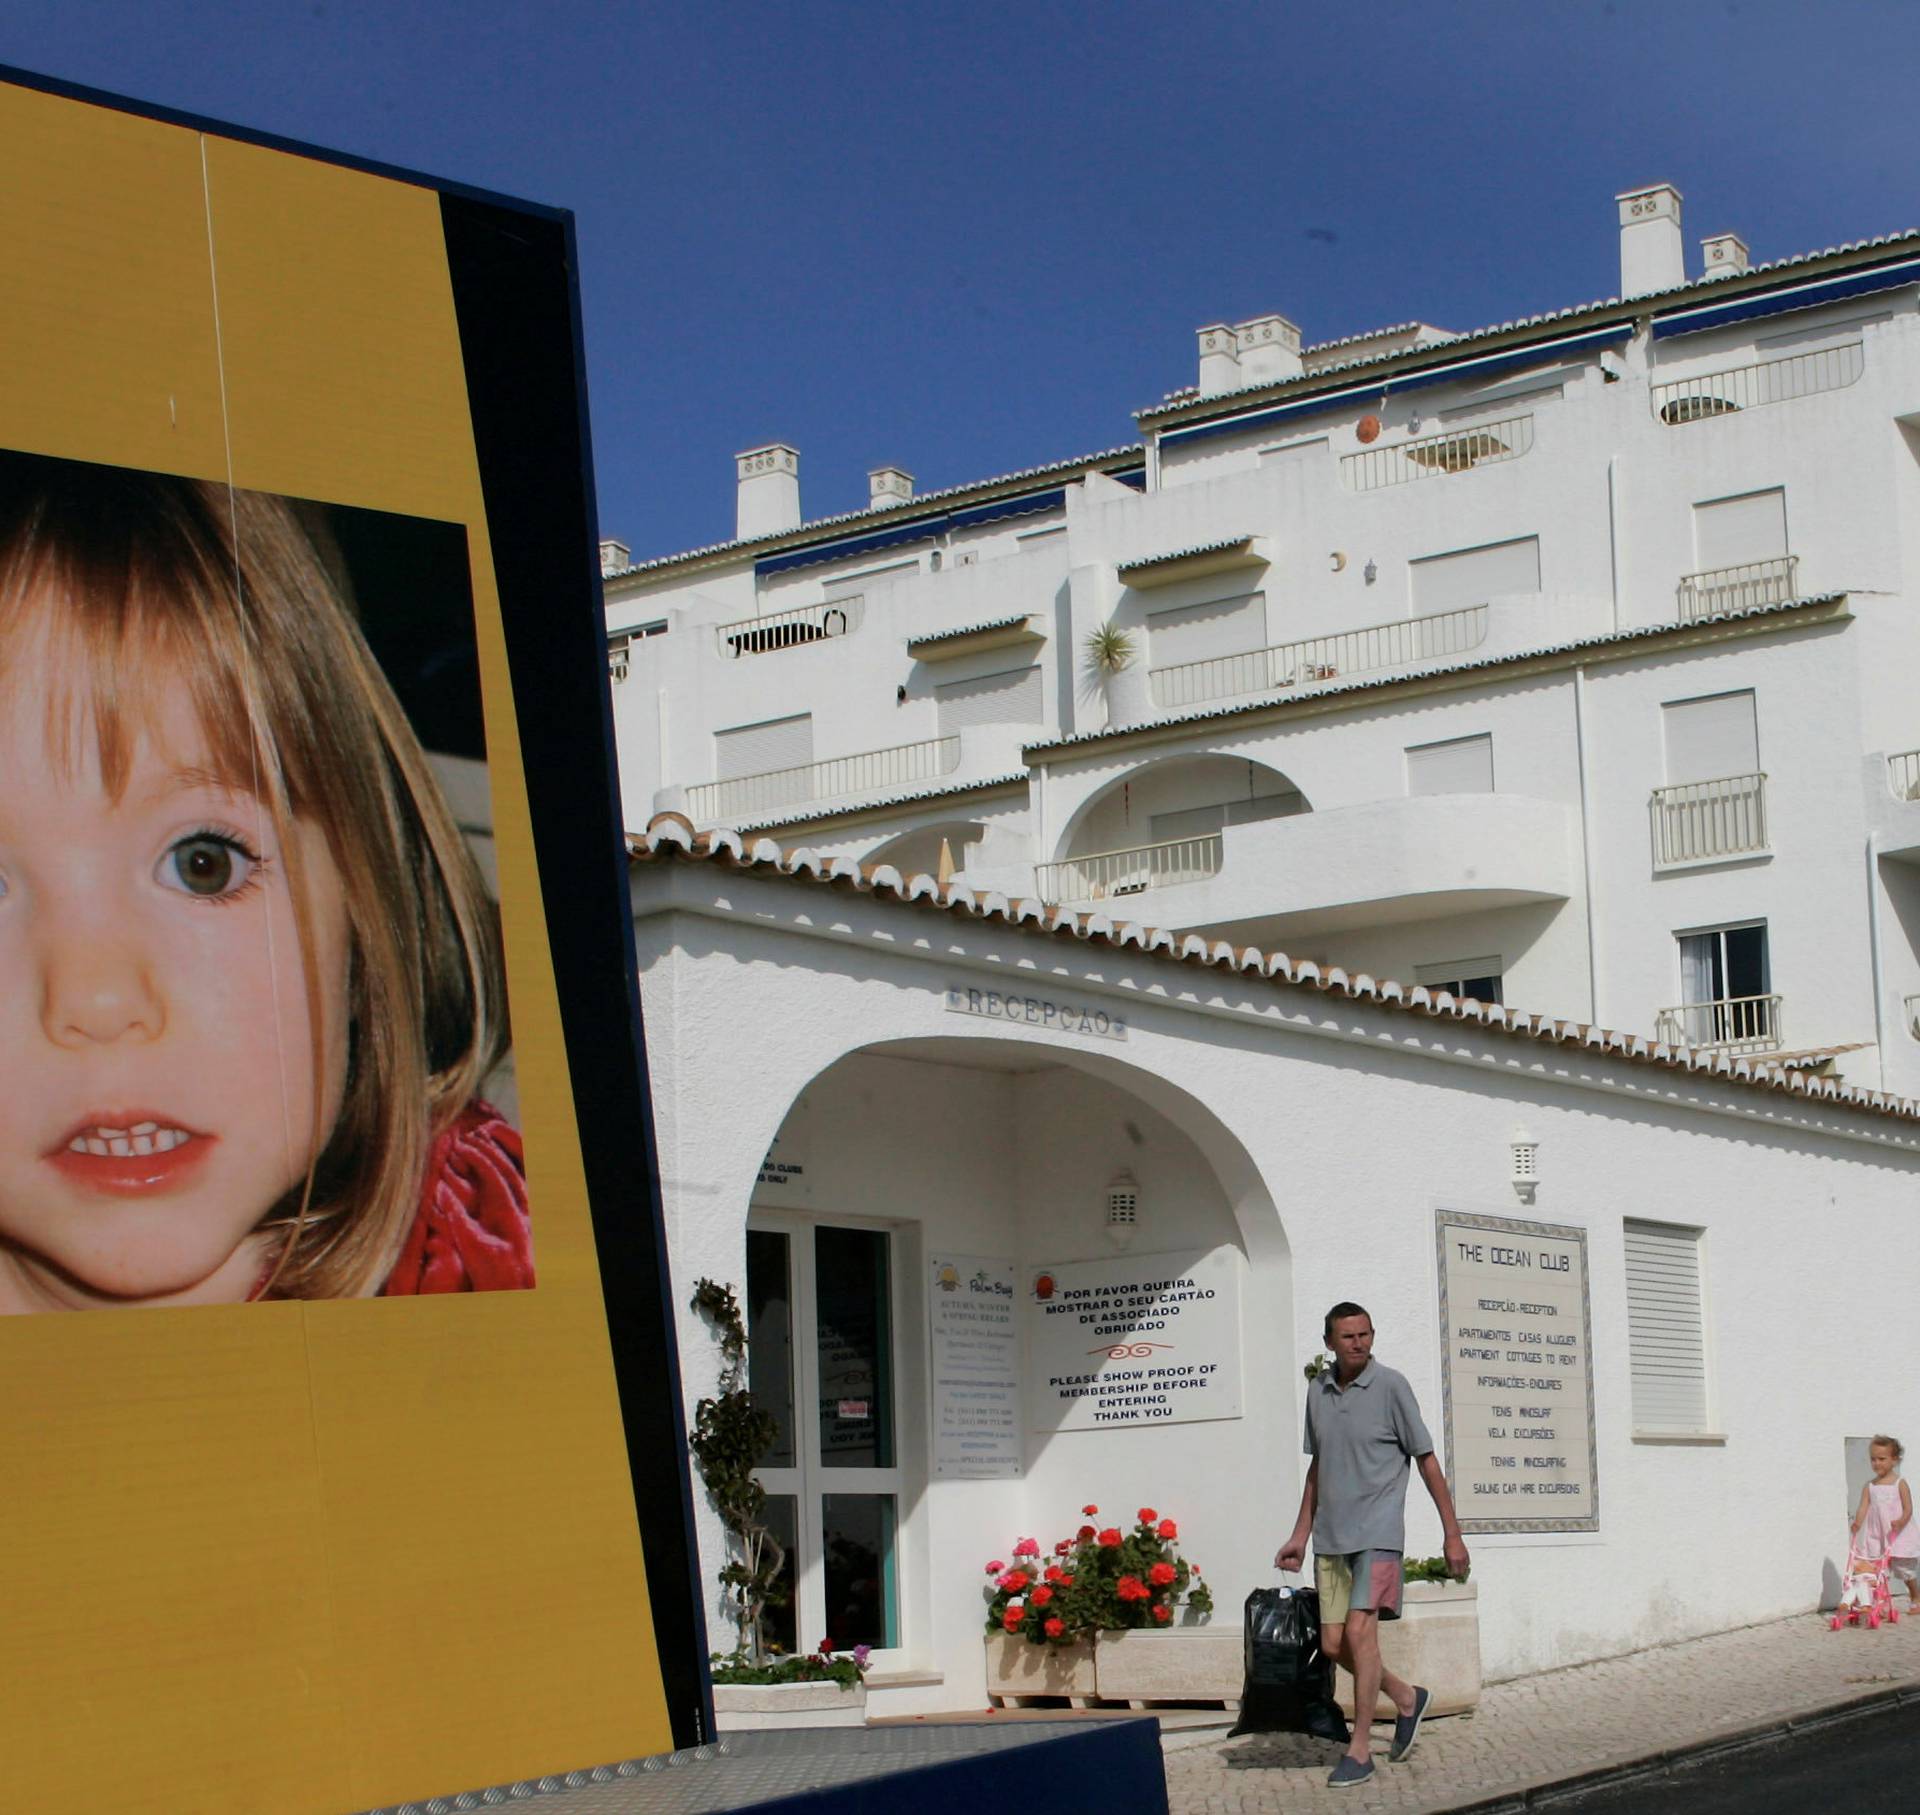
221, 592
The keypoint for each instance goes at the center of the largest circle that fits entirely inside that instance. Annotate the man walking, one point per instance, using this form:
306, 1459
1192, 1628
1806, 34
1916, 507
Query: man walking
1363, 1427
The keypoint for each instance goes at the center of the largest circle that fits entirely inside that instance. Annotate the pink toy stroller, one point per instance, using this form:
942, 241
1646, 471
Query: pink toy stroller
1865, 1596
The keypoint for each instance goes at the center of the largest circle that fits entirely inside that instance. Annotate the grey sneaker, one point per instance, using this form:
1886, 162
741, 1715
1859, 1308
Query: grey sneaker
1350, 1771
1406, 1729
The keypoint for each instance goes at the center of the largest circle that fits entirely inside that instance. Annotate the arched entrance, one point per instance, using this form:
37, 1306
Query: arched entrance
993, 1157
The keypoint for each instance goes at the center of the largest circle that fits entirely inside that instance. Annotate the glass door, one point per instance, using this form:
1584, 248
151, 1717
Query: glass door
821, 1358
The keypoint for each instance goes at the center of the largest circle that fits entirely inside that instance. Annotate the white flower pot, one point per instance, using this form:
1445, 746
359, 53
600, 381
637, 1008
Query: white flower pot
1018, 1670
738, 1707
1170, 1664
1435, 1642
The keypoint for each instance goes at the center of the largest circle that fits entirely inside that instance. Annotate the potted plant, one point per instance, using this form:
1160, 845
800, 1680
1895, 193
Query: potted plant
1134, 1587
753, 1685
1035, 1647
1110, 652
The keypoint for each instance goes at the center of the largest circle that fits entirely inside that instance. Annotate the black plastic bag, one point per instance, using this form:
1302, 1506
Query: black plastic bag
1289, 1683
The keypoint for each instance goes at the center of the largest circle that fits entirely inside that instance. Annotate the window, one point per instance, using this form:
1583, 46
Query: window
1471, 576
1666, 1330
821, 1358
1730, 532
1459, 765
778, 743
1725, 998
1202, 633
1477, 978
1011, 698
1711, 737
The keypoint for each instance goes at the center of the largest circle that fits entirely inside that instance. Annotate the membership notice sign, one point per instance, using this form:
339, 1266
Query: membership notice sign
1518, 1380
1144, 1339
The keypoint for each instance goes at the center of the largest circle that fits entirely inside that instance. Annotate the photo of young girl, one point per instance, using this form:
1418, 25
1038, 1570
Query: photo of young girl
250, 974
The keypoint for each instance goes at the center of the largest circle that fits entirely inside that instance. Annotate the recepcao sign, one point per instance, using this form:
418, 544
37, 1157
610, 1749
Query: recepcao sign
1518, 1380
1145, 1339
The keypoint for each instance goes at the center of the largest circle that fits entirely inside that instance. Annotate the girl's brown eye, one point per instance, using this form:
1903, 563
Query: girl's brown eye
202, 865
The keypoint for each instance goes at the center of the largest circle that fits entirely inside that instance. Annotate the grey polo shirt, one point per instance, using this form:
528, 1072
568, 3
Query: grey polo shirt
1364, 1438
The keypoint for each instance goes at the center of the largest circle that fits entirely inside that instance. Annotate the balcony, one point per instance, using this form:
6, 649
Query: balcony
1766, 381
1701, 821
1903, 775
1734, 1025
746, 797
1912, 1007
1893, 804
1706, 595
1459, 451
1374, 864
1107, 875
1344, 655
778, 630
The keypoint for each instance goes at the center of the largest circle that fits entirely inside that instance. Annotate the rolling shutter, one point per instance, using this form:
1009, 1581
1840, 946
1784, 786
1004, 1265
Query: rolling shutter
1011, 698
778, 743
1202, 633
1666, 1328
1730, 532
1710, 738
1461, 765
1474, 575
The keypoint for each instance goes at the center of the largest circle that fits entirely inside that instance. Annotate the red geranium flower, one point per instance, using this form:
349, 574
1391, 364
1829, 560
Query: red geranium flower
995, 1567
1161, 1574
1061, 1549
1015, 1580
826, 1647
1027, 1547
1168, 1529
1054, 1627
1147, 1515
1163, 1614
1066, 1581
1053, 1572
1012, 1617
1086, 1531
1110, 1538
1131, 1588
1089, 1511
1041, 1596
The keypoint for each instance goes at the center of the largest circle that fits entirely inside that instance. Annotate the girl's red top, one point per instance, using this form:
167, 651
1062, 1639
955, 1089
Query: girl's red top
471, 1232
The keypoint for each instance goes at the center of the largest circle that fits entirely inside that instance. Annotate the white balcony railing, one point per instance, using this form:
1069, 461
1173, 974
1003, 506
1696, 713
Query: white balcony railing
1749, 386
746, 795
1912, 1006
1104, 875
1703, 595
778, 630
1734, 1025
1345, 653
1903, 775
1458, 451
1697, 820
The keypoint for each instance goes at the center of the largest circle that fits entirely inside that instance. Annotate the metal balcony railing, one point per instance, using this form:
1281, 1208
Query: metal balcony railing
1697, 820
1458, 451
1765, 381
1734, 1025
1903, 775
1105, 875
1703, 595
778, 630
1345, 653
744, 795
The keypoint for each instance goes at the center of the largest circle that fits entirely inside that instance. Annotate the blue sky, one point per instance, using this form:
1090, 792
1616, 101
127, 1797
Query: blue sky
967, 238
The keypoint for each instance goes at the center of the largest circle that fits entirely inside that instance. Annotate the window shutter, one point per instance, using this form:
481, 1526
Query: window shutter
1012, 698
1708, 739
779, 743
1203, 633
1730, 532
1473, 575
1461, 765
1666, 1328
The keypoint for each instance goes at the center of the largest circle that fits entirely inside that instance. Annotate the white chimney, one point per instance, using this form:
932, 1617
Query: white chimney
1219, 360
1269, 350
887, 486
1652, 254
615, 557
1725, 255
769, 497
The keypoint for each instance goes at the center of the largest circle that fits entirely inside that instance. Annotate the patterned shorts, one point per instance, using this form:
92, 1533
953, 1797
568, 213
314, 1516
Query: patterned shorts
1366, 1580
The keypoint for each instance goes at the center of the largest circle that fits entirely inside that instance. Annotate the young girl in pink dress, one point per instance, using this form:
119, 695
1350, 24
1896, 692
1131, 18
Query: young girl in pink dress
250, 978
1883, 1524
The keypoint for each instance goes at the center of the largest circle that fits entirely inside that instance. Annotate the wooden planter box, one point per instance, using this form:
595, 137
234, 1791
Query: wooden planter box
1179, 1664
739, 1707
1436, 1643
1019, 1671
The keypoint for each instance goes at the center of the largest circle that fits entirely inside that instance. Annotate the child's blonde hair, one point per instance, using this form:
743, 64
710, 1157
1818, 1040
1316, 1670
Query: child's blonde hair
1892, 1443
222, 592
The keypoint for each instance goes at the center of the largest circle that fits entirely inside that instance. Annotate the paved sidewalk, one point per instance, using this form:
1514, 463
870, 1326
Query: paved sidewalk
1567, 1723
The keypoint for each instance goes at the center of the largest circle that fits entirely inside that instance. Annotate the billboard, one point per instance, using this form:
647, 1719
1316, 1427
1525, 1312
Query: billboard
332, 1316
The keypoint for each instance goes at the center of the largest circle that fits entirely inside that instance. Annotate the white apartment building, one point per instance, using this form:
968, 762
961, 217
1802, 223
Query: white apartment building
1560, 672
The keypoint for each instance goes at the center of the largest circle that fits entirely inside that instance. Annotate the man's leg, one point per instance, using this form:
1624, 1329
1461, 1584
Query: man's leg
1361, 1646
